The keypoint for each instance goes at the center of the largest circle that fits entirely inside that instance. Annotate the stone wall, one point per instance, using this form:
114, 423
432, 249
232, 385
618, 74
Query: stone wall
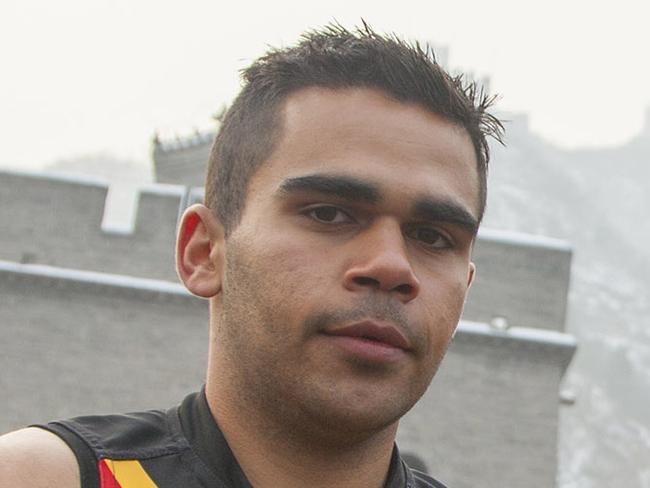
81, 342
57, 221
75, 342
183, 161
93, 320
490, 417
520, 278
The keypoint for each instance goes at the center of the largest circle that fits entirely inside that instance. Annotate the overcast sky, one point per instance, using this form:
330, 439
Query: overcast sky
89, 76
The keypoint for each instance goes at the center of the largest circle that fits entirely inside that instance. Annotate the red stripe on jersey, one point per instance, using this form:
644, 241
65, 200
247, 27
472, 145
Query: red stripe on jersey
106, 478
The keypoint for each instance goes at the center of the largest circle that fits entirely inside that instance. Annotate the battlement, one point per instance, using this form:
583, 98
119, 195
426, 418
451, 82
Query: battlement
521, 280
57, 220
182, 160
96, 303
197, 138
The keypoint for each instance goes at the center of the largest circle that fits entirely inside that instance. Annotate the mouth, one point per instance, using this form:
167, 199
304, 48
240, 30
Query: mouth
371, 341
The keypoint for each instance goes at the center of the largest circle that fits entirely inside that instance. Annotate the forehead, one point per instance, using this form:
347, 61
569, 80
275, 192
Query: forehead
366, 134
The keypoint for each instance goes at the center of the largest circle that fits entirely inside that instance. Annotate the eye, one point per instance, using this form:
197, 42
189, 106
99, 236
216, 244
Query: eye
429, 237
328, 214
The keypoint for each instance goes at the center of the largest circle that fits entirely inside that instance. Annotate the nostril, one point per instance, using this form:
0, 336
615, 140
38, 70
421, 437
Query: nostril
404, 289
366, 281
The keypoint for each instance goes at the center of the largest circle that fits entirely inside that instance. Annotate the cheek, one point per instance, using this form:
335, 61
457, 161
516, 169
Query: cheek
298, 262
294, 274
444, 306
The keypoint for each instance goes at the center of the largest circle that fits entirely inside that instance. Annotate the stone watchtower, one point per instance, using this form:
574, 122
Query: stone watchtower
181, 161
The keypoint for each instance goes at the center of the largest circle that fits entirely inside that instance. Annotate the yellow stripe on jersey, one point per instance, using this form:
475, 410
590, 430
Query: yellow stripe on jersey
130, 474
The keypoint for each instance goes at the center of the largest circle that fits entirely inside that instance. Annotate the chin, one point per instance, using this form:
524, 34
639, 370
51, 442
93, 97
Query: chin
358, 417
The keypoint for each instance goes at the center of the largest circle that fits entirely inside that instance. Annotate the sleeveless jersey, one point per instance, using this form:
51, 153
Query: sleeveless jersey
178, 448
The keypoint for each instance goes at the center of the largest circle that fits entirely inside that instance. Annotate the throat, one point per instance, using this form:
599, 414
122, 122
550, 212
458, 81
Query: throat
290, 458
284, 465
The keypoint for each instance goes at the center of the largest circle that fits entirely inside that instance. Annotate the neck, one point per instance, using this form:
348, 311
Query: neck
272, 454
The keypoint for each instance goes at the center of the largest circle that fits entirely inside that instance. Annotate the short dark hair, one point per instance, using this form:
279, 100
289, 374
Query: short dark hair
334, 57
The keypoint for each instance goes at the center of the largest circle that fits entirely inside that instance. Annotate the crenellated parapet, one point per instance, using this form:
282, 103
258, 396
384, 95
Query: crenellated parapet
182, 160
57, 220
521, 280
113, 329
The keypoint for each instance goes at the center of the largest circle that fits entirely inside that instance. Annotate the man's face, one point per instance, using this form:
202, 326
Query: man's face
346, 276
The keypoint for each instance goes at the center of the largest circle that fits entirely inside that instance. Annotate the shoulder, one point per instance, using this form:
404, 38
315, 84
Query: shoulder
36, 458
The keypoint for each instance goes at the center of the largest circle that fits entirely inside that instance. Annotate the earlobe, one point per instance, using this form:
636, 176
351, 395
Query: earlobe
200, 251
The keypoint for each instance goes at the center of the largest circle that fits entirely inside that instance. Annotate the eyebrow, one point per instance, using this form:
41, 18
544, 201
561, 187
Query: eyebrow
442, 210
355, 190
344, 187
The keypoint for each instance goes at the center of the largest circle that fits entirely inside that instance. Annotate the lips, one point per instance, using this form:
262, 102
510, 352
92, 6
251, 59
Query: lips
384, 334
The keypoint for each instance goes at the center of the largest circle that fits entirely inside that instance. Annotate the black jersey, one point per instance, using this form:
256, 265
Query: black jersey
178, 448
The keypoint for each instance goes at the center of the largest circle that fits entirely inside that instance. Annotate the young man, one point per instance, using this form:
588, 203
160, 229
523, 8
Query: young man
343, 197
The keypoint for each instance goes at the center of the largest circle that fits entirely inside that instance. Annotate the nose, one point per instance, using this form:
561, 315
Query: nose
381, 263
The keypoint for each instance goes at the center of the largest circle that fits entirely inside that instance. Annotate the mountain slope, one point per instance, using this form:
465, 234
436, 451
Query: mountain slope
596, 200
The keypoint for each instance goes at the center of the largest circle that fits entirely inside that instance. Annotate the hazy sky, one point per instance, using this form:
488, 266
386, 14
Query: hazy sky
87, 76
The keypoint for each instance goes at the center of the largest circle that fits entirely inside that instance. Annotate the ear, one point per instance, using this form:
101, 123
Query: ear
471, 274
200, 251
